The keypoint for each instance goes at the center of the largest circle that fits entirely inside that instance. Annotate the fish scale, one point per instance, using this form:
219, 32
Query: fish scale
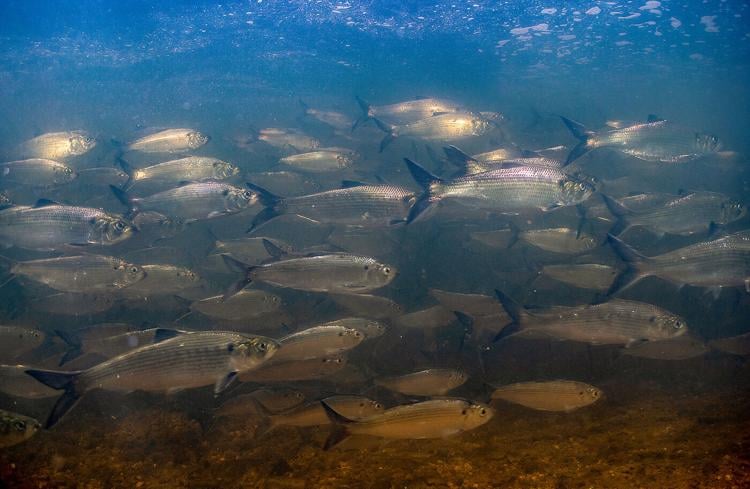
80, 273
191, 168
196, 201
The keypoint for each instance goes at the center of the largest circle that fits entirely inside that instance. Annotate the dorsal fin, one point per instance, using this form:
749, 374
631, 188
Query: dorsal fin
352, 183
183, 183
45, 203
653, 118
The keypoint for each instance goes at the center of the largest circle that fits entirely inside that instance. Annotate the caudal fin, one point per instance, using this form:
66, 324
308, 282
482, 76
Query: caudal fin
426, 180
74, 346
272, 203
366, 113
339, 427
61, 381
620, 212
636, 265
390, 131
237, 266
516, 313
126, 200
580, 132
127, 168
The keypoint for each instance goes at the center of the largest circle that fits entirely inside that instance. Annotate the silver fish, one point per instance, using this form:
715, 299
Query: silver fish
16, 428
287, 138
369, 328
405, 112
322, 160
14, 382
178, 140
36, 172
508, 190
661, 140
311, 369
585, 275
163, 280
722, 262
367, 305
317, 342
680, 348
112, 346
84, 273
57, 145
49, 225
685, 215
555, 395
437, 418
336, 120
333, 272
559, 240
186, 361
288, 183
356, 204
191, 202
616, 322
429, 318
313, 414
273, 400
245, 304
16, 341
736, 345
496, 159
444, 127
248, 250
430, 382
188, 169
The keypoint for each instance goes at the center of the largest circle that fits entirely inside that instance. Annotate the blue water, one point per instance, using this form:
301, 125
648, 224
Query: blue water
229, 69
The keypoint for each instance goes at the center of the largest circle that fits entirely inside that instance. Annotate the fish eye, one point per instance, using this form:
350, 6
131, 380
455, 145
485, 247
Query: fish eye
262, 346
247, 194
678, 324
482, 412
119, 226
387, 270
134, 269
378, 405
20, 425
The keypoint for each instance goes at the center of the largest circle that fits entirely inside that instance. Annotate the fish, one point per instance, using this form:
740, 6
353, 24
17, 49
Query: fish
73, 303
367, 305
57, 145
178, 140
657, 140
102, 176
245, 304
443, 127
298, 370
407, 111
496, 159
717, 263
336, 120
286, 139
317, 342
473, 304
322, 160
36, 172
191, 202
593, 276
14, 382
81, 273
288, 183
16, 341
437, 418
273, 400
615, 322
313, 413
556, 240
188, 169
369, 328
328, 272
429, 318
429, 382
685, 215
248, 250
355, 204
680, 348
554, 395
48, 225
16, 428
163, 279
735, 345
507, 190
182, 362
112, 346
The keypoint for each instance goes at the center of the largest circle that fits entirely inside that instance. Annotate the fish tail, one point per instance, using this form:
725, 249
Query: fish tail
74, 346
516, 313
459, 158
637, 265
390, 131
273, 250
62, 381
580, 132
237, 266
366, 113
126, 168
515, 233
126, 200
272, 203
620, 212
426, 180
467, 322
339, 427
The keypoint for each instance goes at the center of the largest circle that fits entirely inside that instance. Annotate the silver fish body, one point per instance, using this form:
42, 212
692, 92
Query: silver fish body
273, 400
556, 395
313, 414
286, 138
559, 240
322, 160
84, 273
298, 370
178, 140
317, 342
188, 169
49, 226
163, 280
430, 382
586, 275
407, 111
245, 304
57, 145
36, 172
